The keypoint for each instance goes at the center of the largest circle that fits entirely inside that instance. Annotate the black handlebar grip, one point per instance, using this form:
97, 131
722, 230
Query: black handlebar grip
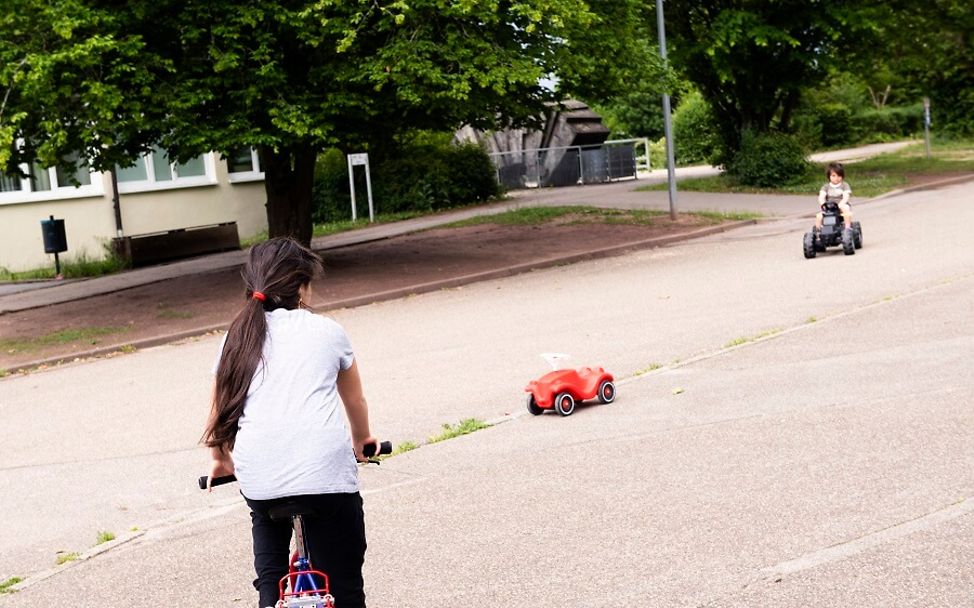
217, 481
368, 450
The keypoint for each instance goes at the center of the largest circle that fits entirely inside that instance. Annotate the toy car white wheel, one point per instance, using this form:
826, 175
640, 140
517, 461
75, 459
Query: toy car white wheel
607, 391
564, 404
533, 406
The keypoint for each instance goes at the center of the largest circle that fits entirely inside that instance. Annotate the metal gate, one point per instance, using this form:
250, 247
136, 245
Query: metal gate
571, 165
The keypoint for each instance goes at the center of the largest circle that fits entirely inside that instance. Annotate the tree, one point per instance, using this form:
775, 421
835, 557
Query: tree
287, 77
927, 50
751, 59
70, 86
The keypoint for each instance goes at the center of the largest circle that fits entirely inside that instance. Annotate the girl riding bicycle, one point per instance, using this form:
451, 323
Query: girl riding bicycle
275, 422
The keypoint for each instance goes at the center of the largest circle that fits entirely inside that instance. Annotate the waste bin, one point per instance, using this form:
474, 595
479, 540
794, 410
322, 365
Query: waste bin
55, 240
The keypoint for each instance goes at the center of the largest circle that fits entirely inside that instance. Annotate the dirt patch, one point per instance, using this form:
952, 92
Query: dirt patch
366, 272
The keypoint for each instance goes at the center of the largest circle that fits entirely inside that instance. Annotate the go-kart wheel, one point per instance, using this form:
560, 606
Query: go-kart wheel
808, 245
533, 406
564, 404
607, 392
857, 235
848, 242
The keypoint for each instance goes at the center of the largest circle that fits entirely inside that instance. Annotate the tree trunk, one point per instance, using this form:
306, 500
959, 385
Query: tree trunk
288, 182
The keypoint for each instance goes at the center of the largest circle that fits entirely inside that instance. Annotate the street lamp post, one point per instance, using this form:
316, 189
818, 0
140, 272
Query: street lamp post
667, 127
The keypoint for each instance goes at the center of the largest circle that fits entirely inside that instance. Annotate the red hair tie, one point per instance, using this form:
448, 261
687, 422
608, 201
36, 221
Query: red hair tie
259, 296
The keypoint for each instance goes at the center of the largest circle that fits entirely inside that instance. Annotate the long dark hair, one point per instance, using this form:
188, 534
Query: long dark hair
276, 269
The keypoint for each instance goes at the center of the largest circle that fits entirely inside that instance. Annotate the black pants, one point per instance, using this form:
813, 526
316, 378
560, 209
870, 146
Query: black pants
334, 531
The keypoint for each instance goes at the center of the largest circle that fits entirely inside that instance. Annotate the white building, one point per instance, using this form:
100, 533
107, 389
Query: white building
154, 196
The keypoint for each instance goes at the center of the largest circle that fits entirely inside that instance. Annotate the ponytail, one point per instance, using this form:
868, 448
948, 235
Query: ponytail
242, 353
274, 273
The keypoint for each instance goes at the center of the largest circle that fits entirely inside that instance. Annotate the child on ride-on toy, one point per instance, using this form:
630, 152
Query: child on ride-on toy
838, 191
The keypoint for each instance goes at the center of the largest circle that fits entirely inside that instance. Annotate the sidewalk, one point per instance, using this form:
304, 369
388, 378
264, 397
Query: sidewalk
620, 195
616, 195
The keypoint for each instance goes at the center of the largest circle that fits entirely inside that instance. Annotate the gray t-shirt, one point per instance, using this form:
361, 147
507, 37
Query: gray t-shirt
836, 193
292, 438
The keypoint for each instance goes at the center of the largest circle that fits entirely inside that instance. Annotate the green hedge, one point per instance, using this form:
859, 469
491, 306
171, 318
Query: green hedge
695, 132
419, 177
888, 123
768, 160
835, 124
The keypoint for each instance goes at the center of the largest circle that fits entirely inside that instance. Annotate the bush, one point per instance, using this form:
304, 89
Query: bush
695, 132
838, 112
827, 124
888, 124
330, 197
768, 160
634, 114
424, 175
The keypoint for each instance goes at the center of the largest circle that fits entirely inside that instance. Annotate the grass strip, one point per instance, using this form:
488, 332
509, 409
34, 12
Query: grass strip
64, 336
868, 178
585, 214
464, 427
72, 268
104, 537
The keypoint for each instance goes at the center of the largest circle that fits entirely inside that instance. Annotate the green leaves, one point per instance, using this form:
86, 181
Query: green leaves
752, 59
112, 79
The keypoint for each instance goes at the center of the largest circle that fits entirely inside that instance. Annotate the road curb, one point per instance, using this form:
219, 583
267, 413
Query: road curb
392, 294
950, 181
79, 559
894, 193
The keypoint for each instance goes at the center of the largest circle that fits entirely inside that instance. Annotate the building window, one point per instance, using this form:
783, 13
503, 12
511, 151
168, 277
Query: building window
69, 175
155, 171
10, 183
69, 180
244, 166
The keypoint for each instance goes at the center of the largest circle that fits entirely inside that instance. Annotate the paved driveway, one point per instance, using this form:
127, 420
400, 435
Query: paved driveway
828, 462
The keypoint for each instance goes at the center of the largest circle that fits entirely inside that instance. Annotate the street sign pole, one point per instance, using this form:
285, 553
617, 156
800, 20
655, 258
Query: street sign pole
353, 161
351, 185
667, 127
926, 123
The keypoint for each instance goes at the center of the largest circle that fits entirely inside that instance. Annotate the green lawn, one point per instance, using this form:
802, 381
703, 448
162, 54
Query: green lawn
64, 336
326, 228
71, 268
581, 214
868, 178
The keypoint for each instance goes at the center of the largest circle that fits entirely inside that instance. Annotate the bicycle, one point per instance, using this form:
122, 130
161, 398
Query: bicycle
300, 587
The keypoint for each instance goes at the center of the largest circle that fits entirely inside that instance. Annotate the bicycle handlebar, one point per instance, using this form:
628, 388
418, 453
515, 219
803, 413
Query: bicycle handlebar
368, 451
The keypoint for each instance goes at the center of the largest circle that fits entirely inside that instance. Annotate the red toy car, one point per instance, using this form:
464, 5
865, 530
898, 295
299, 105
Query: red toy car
563, 388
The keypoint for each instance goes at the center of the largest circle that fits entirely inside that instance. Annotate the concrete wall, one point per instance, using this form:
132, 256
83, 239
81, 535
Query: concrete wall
90, 220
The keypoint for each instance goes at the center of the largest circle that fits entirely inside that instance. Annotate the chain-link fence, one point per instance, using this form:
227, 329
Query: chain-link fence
571, 165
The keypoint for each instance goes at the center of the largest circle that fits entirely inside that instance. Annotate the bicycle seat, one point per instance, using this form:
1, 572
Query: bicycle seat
288, 510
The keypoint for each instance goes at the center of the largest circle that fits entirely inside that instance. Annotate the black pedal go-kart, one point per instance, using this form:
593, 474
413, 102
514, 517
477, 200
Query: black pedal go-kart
833, 233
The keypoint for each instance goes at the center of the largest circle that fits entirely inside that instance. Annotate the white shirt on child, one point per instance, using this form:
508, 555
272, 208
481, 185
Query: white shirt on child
292, 438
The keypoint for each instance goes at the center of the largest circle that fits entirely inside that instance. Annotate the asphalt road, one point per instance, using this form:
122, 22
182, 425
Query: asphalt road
825, 460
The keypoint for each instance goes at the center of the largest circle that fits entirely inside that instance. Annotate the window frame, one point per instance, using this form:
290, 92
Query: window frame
150, 184
254, 175
27, 194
